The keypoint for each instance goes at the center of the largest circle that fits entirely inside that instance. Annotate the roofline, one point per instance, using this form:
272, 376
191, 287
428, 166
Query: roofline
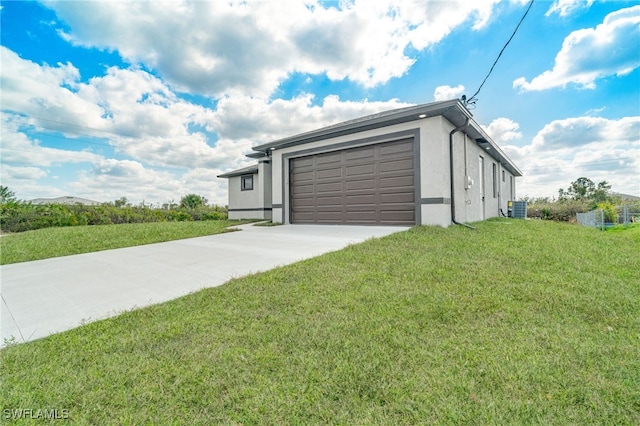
244, 171
368, 122
453, 110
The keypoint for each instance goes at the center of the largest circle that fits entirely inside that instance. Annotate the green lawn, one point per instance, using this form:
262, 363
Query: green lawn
519, 322
64, 241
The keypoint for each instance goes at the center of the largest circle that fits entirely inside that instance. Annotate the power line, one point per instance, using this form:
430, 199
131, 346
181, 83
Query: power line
473, 99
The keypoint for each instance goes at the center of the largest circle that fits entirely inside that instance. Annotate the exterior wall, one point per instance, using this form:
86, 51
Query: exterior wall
435, 207
434, 193
478, 200
251, 204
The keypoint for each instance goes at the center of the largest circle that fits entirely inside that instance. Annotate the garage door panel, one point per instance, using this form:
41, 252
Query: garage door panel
397, 165
329, 201
306, 202
396, 182
354, 185
401, 215
397, 147
364, 169
335, 172
361, 217
359, 154
329, 187
396, 207
397, 198
364, 185
305, 216
302, 162
304, 177
369, 199
303, 189
335, 157
334, 216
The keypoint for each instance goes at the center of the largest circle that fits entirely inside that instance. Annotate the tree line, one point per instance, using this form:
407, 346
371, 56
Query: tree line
581, 196
20, 215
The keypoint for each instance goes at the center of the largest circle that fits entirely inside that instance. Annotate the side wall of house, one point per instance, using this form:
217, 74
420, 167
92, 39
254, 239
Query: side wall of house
434, 200
479, 192
255, 203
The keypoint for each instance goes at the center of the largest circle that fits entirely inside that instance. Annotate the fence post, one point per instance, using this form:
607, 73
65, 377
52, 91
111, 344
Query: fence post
626, 214
602, 218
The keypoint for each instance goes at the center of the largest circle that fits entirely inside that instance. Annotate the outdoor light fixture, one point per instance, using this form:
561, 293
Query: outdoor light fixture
422, 116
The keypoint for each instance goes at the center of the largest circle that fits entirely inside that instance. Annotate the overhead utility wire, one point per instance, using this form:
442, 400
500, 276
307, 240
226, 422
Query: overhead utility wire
472, 99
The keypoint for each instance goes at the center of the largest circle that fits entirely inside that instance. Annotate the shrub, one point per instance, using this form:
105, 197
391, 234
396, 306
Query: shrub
610, 212
560, 211
19, 216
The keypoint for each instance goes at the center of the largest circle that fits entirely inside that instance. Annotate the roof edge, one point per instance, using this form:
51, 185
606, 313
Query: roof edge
240, 172
364, 123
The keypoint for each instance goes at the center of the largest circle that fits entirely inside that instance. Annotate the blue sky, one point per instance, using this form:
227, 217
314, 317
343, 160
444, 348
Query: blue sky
151, 100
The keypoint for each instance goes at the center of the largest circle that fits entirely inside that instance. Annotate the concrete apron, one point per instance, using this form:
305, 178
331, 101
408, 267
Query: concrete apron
48, 296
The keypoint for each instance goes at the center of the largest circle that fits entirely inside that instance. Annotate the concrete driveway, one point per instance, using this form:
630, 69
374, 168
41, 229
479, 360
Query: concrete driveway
49, 296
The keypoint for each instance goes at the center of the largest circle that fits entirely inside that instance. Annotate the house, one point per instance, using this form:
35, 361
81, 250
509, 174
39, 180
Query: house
429, 164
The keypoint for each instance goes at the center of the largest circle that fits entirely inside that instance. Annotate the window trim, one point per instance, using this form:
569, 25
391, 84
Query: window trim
246, 182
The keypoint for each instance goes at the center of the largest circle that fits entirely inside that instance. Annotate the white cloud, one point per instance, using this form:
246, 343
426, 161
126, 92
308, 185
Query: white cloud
610, 48
112, 179
446, 92
564, 150
503, 130
585, 131
565, 8
44, 91
263, 121
10, 173
20, 150
252, 46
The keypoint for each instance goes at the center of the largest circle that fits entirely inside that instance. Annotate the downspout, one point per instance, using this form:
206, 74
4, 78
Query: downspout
451, 172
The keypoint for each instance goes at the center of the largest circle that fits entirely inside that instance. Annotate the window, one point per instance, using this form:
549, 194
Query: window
481, 176
246, 183
495, 180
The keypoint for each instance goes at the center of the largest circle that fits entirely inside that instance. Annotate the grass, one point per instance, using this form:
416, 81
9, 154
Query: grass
623, 227
519, 322
64, 241
267, 223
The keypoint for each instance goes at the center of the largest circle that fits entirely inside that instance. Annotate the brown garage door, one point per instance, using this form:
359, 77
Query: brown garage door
367, 185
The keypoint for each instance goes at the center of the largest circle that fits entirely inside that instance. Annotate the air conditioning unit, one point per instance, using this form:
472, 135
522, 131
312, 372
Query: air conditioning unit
517, 209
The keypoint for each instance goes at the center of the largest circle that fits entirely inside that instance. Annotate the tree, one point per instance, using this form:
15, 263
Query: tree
581, 189
584, 189
6, 195
192, 201
601, 194
121, 202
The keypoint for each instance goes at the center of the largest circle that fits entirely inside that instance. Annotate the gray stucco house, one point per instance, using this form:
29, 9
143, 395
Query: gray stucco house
429, 164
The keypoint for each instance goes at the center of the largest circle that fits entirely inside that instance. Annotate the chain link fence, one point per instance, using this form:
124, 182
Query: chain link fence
597, 218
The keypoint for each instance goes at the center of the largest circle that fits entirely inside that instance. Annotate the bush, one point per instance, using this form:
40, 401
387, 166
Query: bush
19, 216
559, 211
610, 212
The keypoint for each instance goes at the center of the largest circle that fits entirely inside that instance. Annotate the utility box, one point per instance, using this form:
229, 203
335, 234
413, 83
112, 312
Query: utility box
517, 209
